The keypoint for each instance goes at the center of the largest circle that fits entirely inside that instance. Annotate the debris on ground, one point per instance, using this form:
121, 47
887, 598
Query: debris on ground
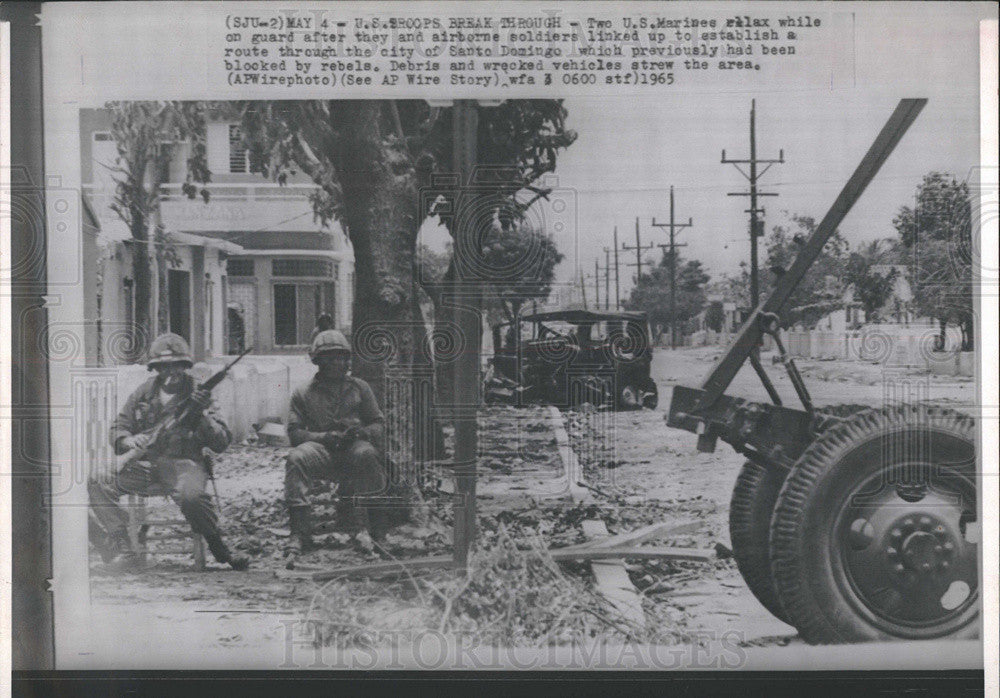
513, 594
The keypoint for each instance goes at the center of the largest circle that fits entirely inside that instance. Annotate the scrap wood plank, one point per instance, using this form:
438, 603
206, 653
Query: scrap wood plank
656, 530
612, 579
379, 569
619, 553
571, 464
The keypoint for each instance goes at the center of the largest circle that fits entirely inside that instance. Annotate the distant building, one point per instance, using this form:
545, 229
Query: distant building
896, 310
251, 265
733, 316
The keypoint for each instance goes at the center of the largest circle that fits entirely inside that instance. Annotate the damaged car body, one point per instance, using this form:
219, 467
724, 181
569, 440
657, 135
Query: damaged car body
571, 357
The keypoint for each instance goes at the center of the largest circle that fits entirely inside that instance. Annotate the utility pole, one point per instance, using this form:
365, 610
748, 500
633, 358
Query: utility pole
674, 227
639, 249
756, 224
597, 286
618, 292
583, 289
468, 293
607, 278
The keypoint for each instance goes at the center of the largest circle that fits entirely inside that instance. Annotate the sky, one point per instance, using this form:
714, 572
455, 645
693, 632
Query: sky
631, 150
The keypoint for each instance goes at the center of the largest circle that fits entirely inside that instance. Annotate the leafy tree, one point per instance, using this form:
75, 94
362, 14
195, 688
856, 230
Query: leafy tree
714, 316
814, 297
652, 293
370, 161
522, 262
144, 133
936, 233
737, 288
872, 282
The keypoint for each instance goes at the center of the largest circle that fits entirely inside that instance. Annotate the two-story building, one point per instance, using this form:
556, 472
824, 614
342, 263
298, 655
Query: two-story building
249, 266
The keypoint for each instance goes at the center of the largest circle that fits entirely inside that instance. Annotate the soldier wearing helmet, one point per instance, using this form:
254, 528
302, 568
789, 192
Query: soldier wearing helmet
176, 464
336, 429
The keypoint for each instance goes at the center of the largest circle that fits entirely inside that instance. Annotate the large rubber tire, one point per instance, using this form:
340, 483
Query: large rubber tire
835, 554
750, 509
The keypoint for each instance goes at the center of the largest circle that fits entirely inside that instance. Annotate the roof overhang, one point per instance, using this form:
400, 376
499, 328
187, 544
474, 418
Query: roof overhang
202, 241
329, 254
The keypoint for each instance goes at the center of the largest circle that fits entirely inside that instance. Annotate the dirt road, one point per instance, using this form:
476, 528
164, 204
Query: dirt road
648, 471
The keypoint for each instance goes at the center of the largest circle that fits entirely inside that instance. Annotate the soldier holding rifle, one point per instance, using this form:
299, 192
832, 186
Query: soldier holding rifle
160, 435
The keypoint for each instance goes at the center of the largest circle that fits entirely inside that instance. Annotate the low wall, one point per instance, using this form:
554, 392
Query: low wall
952, 363
255, 390
711, 338
890, 345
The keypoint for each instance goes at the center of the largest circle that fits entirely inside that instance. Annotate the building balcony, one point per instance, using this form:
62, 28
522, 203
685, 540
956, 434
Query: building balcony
230, 207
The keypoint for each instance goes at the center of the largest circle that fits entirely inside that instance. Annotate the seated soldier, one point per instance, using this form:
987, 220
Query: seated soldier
336, 428
174, 463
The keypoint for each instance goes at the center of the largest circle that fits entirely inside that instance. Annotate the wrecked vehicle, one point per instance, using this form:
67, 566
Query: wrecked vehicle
571, 357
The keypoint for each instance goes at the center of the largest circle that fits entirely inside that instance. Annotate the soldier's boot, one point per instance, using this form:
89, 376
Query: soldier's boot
121, 550
100, 539
301, 542
358, 525
346, 520
221, 552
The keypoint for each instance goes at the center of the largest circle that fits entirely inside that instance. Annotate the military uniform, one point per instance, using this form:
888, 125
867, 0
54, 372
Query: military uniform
178, 468
322, 406
176, 465
326, 405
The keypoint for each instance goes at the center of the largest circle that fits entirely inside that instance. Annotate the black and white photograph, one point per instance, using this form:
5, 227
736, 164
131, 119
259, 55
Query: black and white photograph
530, 337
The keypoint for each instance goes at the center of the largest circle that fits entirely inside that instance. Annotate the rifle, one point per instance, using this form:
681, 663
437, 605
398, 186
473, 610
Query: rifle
184, 414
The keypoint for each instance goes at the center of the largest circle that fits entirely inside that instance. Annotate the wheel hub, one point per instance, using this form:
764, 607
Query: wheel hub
923, 552
904, 560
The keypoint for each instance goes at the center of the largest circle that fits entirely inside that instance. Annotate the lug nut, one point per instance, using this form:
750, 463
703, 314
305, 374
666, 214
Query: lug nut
949, 546
944, 564
938, 549
898, 569
891, 552
896, 533
908, 522
925, 522
926, 567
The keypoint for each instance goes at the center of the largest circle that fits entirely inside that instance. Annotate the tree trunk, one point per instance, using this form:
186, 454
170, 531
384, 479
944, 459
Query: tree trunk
942, 337
381, 212
141, 296
162, 287
968, 338
141, 330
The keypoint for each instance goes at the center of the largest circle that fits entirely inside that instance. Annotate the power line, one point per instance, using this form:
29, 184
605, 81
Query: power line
639, 249
607, 278
673, 245
618, 292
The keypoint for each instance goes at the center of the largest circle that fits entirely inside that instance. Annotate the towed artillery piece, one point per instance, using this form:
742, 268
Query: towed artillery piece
851, 523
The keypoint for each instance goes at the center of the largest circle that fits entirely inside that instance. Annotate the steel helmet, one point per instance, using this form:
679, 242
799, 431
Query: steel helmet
167, 349
329, 342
